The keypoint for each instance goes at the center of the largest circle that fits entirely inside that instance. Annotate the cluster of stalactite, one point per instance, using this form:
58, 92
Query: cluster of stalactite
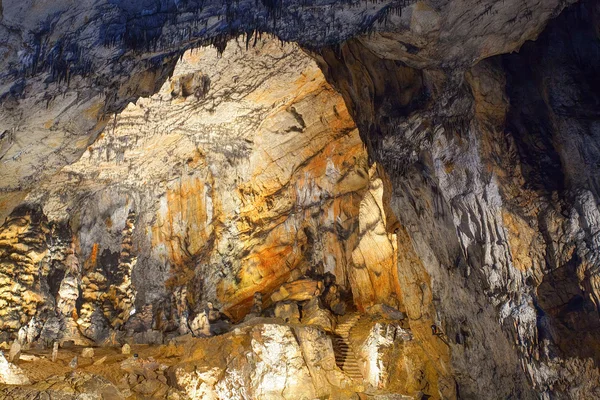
23, 246
106, 292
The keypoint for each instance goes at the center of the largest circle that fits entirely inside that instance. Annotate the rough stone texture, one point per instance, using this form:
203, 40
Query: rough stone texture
77, 386
376, 353
23, 244
496, 230
224, 183
267, 363
116, 51
319, 356
10, 374
265, 360
374, 275
271, 361
280, 370
479, 218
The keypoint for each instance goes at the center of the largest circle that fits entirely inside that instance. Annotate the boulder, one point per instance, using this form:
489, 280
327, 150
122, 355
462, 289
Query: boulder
377, 352
200, 325
10, 374
287, 311
280, 370
88, 352
313, 313
219, 327
300, 290
202, 383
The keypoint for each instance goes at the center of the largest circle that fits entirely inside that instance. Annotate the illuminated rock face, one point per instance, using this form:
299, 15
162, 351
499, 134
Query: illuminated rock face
23, 241
243, 172
496, 210
272, 361
374, 275
233, 179
476, 215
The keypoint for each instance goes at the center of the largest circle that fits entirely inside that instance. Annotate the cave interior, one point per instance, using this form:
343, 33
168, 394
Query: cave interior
298, 200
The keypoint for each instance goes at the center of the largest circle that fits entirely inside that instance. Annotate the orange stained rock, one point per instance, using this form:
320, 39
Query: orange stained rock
309, 81
299, 290
263, 271
183, 222
315, 180
93, 259
521, 238
374, 278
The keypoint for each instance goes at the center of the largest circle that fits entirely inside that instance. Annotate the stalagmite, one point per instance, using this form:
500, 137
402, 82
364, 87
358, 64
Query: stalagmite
15, 351
54, 351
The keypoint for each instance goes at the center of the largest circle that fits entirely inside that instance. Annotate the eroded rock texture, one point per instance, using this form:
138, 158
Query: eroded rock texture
24, 245
68, 66
480, 169
403, 151
243, 172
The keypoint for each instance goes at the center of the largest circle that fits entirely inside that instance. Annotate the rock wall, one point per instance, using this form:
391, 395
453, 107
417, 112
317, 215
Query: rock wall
472, 207
481, 166
23, 244
243, 172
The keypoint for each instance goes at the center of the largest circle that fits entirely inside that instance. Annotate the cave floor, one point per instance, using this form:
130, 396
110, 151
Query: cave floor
189, 367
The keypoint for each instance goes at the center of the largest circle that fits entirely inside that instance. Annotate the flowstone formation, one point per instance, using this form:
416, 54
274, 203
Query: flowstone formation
239, 193
392, 199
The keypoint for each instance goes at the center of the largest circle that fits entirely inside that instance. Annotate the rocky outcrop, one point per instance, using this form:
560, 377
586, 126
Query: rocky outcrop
10, 374
106, 292
275, 361
270, 365
374, 275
